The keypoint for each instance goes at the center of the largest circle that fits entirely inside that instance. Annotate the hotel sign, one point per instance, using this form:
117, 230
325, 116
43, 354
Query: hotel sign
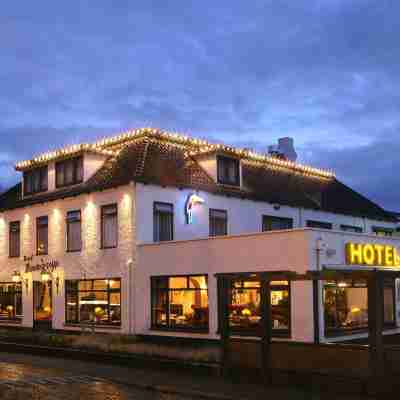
42, 266
372, 255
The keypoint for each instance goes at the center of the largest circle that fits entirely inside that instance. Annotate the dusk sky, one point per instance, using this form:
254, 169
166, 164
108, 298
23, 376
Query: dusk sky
242, 72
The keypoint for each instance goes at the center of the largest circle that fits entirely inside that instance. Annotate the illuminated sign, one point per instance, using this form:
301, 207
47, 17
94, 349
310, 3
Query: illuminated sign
372, 254
192, 200
42, 266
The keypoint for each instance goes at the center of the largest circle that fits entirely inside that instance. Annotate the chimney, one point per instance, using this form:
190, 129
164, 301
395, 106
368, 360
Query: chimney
284, 149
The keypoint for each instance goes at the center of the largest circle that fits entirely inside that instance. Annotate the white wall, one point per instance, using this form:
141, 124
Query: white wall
91, 262
247, 253
244, 216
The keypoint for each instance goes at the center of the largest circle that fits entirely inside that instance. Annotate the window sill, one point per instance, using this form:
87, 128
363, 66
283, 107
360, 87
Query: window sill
92, 326
348, 332
11, 322
73, 251
205, 331
14, 257
108, 248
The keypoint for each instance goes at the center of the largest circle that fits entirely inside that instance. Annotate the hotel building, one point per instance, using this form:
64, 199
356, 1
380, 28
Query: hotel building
129, 234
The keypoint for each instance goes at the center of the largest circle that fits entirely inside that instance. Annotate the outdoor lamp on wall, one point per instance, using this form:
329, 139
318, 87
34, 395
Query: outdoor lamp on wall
16, 278
45, 276
57, 283
26, 281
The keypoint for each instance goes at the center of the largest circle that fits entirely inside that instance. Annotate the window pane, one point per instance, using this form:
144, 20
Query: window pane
271, 223
245, 310
60, 179
42, 235
388, 301
109, 226
180, 307
74, 231
280, 309
14, 239
79, 169
163, 222
11, 301
218, 222
100, 284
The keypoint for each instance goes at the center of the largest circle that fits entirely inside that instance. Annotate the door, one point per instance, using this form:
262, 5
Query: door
42, 305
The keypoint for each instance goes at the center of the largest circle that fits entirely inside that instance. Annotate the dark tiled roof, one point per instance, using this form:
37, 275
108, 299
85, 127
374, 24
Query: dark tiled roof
166, 164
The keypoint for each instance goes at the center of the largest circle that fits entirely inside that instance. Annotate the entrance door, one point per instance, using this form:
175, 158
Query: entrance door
42, 305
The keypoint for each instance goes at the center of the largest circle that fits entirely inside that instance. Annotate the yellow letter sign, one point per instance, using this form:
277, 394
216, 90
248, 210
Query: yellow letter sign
372, 255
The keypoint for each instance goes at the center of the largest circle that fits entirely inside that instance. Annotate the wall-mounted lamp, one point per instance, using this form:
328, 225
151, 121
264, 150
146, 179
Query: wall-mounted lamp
16, 278
192, 200
45, 276
57, 283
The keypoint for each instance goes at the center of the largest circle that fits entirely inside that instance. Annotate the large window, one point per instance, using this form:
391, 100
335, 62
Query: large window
11, 302
35, 180
109, 226
163, 222
15, 239
228, 171
245, 307
271, 223
346, 305
69, 172
180, 302
42, 235
74, 231
319, 224
218, 222
95, 301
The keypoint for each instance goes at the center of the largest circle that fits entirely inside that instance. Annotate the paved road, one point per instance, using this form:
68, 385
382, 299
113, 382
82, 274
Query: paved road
24, 377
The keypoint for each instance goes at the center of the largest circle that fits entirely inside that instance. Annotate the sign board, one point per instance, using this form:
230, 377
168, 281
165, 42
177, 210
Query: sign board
43, 266
372, 255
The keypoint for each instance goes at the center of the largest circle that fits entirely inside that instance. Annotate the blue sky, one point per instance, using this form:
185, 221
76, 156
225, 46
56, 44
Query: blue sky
325, 72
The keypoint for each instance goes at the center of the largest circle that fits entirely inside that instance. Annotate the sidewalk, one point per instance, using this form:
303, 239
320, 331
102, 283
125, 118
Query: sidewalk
181, 383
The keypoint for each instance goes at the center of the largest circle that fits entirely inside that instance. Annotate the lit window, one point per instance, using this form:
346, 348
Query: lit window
245, 307
271, 223
218, 222
15, 239
109, 226
74, 231
163, 222
96, 301
180, 303
35, 180
228, 171
69, 172
11, 302
42, 235
346, 305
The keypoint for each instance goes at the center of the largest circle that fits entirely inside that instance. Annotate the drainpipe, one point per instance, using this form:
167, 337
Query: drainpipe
320, 245
131, 307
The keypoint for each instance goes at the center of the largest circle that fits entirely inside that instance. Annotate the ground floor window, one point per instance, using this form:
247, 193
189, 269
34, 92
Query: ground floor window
93, 300
180, 302
245, 307
10, 302
346, 305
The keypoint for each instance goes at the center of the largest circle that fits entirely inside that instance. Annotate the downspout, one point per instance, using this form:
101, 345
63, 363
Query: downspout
316, 293
131, 266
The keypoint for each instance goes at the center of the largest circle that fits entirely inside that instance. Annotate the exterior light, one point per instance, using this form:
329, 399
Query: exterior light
16, 278
45, 276
192, 200
57, 283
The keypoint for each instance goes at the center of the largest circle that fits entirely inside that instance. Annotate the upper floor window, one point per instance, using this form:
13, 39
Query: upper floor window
228, 170
271, 223
74, 231
42, 235
69, 172
109, 226
351, 228
15, 239
218, 222
36, 180
163, 222
319, 224
382, 231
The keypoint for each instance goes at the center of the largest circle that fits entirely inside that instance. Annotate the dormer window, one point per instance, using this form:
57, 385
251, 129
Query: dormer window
35, 180
69, 172
228, 171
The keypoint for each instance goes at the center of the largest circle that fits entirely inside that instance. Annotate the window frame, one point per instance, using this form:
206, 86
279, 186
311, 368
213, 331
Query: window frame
14, 320
336, 332
167, 289
103, 247
156, 236
220, 178
211, 210
351, 228
38, 219
68, 223
77, 162
276, 218
383, 231
10, 255
108, 291
42, 172
275, 333
312, 223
